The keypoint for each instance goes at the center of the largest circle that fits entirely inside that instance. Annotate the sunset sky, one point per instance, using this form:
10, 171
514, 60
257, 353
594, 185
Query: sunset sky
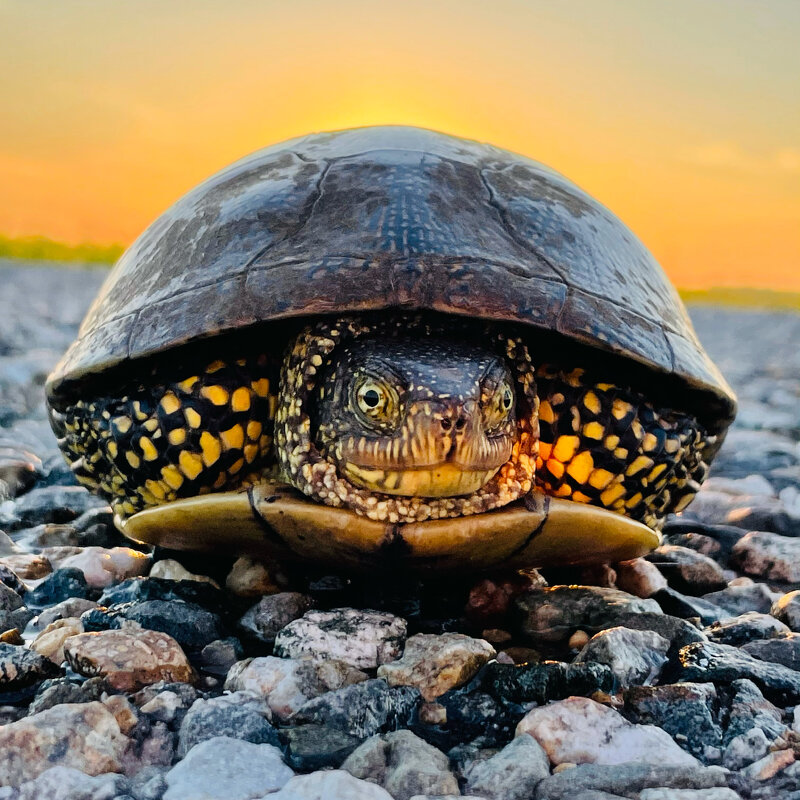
682, 117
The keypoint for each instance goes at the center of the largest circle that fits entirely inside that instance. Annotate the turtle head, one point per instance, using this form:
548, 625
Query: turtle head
415, 417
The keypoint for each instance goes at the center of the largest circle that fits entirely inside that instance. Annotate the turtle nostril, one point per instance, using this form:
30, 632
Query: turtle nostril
460, 423
446, 423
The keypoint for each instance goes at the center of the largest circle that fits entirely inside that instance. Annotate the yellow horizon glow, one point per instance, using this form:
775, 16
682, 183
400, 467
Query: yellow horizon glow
682, 118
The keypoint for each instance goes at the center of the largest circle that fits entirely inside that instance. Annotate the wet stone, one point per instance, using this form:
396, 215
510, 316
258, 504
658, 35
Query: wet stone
769, 555
239, 715
721, 663
312, 747
21, 672
192, 626
554, 614
61, 585
362, 709
511, 774
689, 712
403, 764
634, 657
364, 639
550, 680
781, 649
741, 598
435, 664
287, 684
688, 571
745, 628
128, 659
228, 769
273, 613
677, 630
787, 610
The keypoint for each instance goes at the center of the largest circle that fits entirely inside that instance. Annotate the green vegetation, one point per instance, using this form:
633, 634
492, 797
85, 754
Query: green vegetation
743, 297
40, 248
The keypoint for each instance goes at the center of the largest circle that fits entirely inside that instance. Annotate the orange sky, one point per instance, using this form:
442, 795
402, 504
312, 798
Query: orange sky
682, 117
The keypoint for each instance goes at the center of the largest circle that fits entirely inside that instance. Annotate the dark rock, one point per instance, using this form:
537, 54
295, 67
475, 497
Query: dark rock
313, 747
9, 599
725, 535
688, 571
9, 580
188, 623
60, 585
21, 671
141, 589
273, 613
700, 543
676, 604
771, 517
768, 555
19, 470
686, 711
781, 649
745, 628
787, 610
748, 709
550, 680
742, 598
626, 780
720, 663
677, 630
554, 614
634, 657
362, 709
511, 774
238, 715
219, 656
63, 690
52, 504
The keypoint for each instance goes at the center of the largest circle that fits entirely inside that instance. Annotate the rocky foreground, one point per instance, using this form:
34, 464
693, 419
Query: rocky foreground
160, 675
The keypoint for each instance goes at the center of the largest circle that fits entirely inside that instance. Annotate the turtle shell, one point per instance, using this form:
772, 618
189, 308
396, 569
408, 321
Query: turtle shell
392, 217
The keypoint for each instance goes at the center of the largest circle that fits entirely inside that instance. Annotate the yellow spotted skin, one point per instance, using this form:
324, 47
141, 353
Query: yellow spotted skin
175, 438
605, 444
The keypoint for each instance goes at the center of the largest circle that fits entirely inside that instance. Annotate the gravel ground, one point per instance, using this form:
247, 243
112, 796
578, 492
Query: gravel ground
149, 675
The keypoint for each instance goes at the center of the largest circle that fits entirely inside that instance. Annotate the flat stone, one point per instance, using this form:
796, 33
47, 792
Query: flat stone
737, 631
331, 785
86, 737
239, 716
769, 555
287, 684
549, 680
363, 639
128, 659
579, 730
679, 631
50, 642
227, 769
688, 571
639, 577
721, 663
363, 709
787, 610
689, 712
311, 747
437, 663
781, 649
511, 774
627, 780
21, 671
66, 783
103, 566
555, 613
403, 764
272, 613
634, 657
742, 598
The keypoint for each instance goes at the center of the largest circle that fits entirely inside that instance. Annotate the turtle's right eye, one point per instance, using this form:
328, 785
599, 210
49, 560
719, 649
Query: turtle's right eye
376, 401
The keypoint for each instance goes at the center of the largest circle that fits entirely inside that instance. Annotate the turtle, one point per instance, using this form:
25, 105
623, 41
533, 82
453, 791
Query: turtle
389, 348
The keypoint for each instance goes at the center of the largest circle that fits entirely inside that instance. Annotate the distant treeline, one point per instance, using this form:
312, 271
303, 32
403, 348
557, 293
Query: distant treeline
40, 248
744, 297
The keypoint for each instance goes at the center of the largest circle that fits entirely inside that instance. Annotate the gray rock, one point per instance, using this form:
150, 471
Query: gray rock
365, 639
238, 716
9, 599
689, 712
549, 680
334, 785
721, 663
679, 631
56, 692
749, 709
71, 607
742, 598
273, 613
51, 504
403, 764
745, 628
787, 610
782, 649
687, 607
635, 657
66, 783
363, 709
745, 748
311, 747
556, 613
718, 793
227, 769
21, 671
511, 774
688, 571
219, 656
149, 783
768, 555
626, 780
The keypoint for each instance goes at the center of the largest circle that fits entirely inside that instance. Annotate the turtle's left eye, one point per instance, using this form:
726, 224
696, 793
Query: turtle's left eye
375, 401
498, 406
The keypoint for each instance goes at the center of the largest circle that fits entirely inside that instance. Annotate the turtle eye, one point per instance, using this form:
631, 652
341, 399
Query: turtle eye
375, 400
498, 406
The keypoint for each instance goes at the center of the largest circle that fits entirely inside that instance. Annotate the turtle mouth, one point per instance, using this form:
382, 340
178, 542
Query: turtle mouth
443, 480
